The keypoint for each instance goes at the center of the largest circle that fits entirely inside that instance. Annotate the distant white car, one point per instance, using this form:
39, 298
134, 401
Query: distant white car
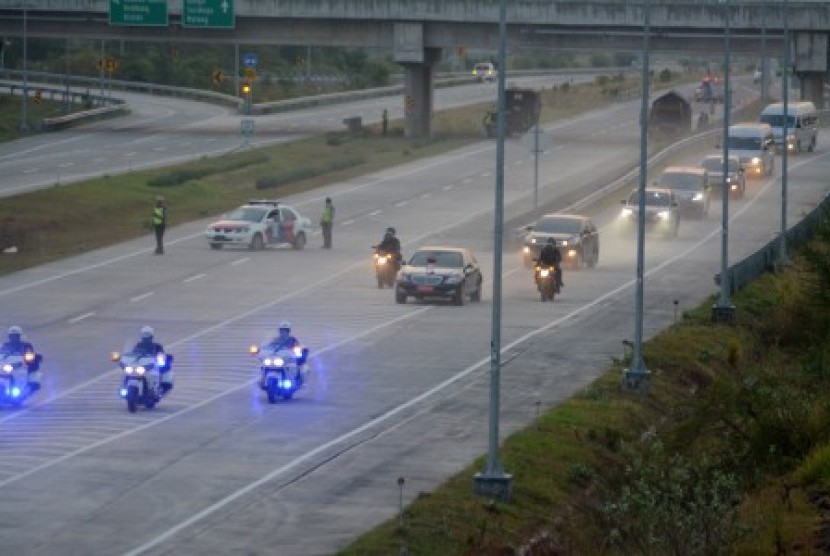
259, 223
485, 71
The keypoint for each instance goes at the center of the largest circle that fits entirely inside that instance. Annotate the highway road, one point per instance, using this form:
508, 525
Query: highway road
162, 130
396, 390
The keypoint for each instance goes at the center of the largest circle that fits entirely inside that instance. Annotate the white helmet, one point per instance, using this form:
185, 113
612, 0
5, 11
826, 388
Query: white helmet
285, 325
15, 330
147, 332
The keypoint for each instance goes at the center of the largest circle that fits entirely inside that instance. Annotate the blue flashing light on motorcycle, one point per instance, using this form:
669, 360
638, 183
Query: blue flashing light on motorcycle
123, 392
281, 370
15, 392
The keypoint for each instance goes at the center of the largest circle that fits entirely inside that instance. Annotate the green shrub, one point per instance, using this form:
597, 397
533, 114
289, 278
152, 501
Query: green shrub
299, 174
815, 469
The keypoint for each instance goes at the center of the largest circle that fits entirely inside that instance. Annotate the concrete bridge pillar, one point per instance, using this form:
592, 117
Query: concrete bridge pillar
418, 79
811, 65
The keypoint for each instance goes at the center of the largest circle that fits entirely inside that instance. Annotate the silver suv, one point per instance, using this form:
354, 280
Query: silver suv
690, 185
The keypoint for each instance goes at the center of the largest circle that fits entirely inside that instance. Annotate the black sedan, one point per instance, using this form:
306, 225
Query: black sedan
440, 272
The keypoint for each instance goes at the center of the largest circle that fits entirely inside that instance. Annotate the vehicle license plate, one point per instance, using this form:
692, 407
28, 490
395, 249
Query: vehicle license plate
425, 289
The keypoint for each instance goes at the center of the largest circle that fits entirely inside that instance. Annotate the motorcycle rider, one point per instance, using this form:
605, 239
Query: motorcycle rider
551, 256
15, 345
284, 340
390, 244
146, 346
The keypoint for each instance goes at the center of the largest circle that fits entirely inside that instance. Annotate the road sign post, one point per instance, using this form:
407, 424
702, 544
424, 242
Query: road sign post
138, 12
208, 13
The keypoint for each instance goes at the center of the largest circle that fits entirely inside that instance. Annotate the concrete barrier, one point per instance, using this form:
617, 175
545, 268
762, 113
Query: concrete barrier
68, 120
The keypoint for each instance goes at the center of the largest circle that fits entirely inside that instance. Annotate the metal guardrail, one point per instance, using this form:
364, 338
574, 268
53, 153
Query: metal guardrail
766, 258
59, 94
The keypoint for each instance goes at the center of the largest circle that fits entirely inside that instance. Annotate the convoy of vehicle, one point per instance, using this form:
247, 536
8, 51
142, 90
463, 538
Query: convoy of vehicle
735, 174
260, 223
661, 214
754, 145
142, 378
801, 122
690, 185
575, 235
450, 273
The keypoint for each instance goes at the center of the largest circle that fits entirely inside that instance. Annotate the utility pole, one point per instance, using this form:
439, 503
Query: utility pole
24, 105
783, 259
637, 379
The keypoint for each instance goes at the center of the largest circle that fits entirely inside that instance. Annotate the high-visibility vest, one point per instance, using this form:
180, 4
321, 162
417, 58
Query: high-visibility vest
328, 214
158, 216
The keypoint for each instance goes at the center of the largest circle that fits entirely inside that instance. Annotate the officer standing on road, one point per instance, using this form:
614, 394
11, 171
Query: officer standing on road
159, 223
326, 221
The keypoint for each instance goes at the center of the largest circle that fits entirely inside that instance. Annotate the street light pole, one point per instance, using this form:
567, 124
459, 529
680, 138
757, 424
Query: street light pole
783, 259
724, 311
24, 105
637, 378
493, 482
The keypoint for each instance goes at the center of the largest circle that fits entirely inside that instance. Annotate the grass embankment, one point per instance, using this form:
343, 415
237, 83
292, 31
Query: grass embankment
728, 454
69, 219
11, 115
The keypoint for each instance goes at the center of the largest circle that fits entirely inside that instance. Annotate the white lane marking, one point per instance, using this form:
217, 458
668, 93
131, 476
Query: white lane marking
79, 318
401, 203
130, 154
66, 164
347, 222
142, 296
375, 212
240, 261
31, 170
426, 195
448, 187
253, 486
312, 201
202, 403
194, 277
518, 162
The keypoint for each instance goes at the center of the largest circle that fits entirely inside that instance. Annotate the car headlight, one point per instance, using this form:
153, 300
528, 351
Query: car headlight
526, 250
626, 212
756, 160
572, 253
452, 279
664, 214
698, 197
533, 240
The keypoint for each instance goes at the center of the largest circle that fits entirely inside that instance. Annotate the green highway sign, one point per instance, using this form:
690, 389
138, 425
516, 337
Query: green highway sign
138, 12
208, 13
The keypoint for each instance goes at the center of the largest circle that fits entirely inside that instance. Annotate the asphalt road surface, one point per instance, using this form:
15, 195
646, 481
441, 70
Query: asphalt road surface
396, 390
162, 130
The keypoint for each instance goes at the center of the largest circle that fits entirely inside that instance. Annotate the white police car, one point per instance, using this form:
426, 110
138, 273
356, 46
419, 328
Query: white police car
259, 223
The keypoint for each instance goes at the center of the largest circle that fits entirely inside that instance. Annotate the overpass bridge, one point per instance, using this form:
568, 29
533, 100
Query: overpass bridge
417, 31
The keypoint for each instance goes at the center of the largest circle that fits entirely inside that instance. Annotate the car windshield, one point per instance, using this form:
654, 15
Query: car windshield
777, 120
483, 67
745, 143
558, 225
247, 214
653, 199
680, 180
716, 164
444, 259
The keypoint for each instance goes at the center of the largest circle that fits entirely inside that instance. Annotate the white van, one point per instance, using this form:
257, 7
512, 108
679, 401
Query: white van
802, 124
754, 144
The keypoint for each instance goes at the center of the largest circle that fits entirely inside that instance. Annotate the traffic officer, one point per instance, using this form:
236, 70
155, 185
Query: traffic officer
326, 222
159, 223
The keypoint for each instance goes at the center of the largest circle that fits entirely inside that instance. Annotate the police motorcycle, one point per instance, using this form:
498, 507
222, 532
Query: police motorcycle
386, 267
546, 281
15, 383
147, 378
282, 371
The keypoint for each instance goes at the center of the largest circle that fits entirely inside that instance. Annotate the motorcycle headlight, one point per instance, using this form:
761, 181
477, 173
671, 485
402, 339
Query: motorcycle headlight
699, 196
7, 368
128, 370
664, 214
572, 253
381, 260
140, 370
544, 273
626, 212
452, 279
277, 362
266, 362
